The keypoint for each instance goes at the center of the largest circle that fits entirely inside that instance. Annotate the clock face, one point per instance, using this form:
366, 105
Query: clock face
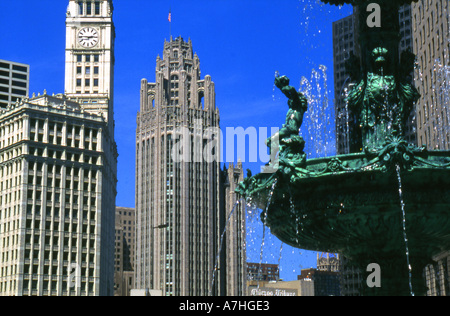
88, 37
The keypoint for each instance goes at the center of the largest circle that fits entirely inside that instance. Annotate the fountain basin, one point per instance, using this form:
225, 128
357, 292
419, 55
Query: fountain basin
335, 211
351, 205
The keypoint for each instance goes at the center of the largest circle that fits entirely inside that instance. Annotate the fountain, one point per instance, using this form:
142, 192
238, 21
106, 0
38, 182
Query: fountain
388, 201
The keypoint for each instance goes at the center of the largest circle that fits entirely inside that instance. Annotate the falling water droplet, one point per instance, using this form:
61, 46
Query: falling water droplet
277, 74
319, 126
405, 236
221, 245
264, 218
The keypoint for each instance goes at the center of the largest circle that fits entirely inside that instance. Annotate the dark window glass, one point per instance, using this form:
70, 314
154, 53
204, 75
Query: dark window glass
97, 8
20, 68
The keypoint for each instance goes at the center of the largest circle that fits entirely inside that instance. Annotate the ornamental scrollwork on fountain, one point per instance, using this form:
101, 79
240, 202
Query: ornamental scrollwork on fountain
395, 151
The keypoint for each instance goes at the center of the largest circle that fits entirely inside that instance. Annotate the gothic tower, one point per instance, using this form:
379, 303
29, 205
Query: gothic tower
177, 177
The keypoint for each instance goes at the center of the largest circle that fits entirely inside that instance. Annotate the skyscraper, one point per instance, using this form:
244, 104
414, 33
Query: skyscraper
124, 256
58, 177
177, 177
233, 263
431, 35
343, 48
14, 82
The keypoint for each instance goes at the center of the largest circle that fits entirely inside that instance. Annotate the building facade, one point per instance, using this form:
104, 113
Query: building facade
58, 175
326, 283
178, 214
328, 262
233, 263
14, 82
343, 49
431, 33
124, 251
303, 287
437, 275
263, 271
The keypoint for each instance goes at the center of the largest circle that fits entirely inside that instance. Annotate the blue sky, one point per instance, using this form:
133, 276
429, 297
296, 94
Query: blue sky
241, 44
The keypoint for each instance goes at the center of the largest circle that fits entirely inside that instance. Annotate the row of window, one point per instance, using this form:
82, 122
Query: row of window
10, 133
22, 93
64, 155
87, 70
58, 169
56, 133
67, 287
13, 82
88, 58
14, 67
87, 82
89, 8
57, 198
14, 75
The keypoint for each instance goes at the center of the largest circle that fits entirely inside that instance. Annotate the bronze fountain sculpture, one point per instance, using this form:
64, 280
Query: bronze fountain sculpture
387, 202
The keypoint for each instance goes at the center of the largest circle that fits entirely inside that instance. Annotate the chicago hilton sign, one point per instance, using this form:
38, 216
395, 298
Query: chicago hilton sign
264, 291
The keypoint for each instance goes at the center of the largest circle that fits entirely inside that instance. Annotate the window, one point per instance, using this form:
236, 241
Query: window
78, 70
19, 76
88, 58
95, 82
95, 70
96, 58
87, 82
19, 92
79, 58
78, 82
88, 8
97, 7
80, 8
19, 84
88, 70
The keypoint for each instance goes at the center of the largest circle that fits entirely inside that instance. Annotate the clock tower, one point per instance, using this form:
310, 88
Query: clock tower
89, 75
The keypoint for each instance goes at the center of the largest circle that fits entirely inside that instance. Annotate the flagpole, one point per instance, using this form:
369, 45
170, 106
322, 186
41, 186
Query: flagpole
170, 24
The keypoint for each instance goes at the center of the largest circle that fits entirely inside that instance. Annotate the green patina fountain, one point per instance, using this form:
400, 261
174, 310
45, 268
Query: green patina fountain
388, 202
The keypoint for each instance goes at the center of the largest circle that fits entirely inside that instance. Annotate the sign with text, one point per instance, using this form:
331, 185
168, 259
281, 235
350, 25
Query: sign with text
264, 291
